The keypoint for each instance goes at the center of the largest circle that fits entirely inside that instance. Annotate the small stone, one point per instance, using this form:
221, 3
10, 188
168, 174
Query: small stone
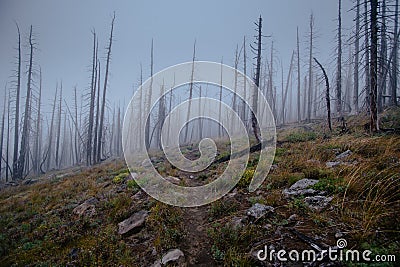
317, 202
135, 221
344, 154
300, 188
87, 208
339, 235
259, 210
236, 222
268, 226
172, 255
331, 164
293, 217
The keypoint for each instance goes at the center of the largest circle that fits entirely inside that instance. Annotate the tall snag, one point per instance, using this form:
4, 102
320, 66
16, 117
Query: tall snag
24, 150
17, 98
103, 105
254, 123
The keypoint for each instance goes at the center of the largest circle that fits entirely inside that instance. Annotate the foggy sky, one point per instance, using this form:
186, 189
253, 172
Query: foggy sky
63, 33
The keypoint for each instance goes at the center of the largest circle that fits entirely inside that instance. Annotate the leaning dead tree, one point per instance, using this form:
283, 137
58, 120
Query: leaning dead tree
328, 101
103, 105
254, 123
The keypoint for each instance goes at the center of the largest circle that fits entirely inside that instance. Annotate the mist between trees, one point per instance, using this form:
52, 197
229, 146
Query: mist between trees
88, 129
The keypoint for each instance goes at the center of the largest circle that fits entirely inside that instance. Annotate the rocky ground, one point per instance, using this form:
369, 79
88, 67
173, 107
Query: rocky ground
322, 187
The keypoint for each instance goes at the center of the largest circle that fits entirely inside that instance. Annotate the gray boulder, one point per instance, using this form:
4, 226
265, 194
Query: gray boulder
317, 202
300, 188
87, 208
135, 221
259, 210
172, 256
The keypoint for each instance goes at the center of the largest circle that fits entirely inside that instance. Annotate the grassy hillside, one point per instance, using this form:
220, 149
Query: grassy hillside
40, 224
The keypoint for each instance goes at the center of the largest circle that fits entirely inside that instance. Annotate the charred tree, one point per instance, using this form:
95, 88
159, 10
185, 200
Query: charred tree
327, 97
103, 104
339, 63
393, 98
298, 78
373, 65
254, 123
92, 96
23, 153
190, 92
17, 99
356, 58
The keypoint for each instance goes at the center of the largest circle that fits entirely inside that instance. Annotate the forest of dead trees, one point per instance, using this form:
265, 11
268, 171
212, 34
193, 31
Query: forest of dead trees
89, 129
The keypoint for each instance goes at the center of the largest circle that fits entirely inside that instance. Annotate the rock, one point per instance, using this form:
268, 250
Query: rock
268, 226
344, 154
172, 255
331, 164
301, 188
236, 222
259, 210
172, 179
135, 221
293, 217
274, 167
317, 202
313, 161
157, 263
339, 235
191, 177
87, 208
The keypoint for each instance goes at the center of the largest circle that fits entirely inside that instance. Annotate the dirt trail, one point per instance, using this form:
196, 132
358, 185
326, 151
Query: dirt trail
197, 244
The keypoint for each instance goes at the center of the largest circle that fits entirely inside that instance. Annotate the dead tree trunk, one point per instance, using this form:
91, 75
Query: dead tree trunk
382, 58
244, 80
356, 58
339, 64
8, 170
36, 152
50, 145
190, 93
220, 103
373, 66
58, 136
89, 140
26, 124
2, 131
254, 122
393, 98
298, 78
327, 97
309, 106
103, 105
367, 56
96, 125
149, 95
287, 88
17, 98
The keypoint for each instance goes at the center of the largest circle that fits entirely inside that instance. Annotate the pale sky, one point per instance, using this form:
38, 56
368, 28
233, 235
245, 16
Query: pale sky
63, 33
